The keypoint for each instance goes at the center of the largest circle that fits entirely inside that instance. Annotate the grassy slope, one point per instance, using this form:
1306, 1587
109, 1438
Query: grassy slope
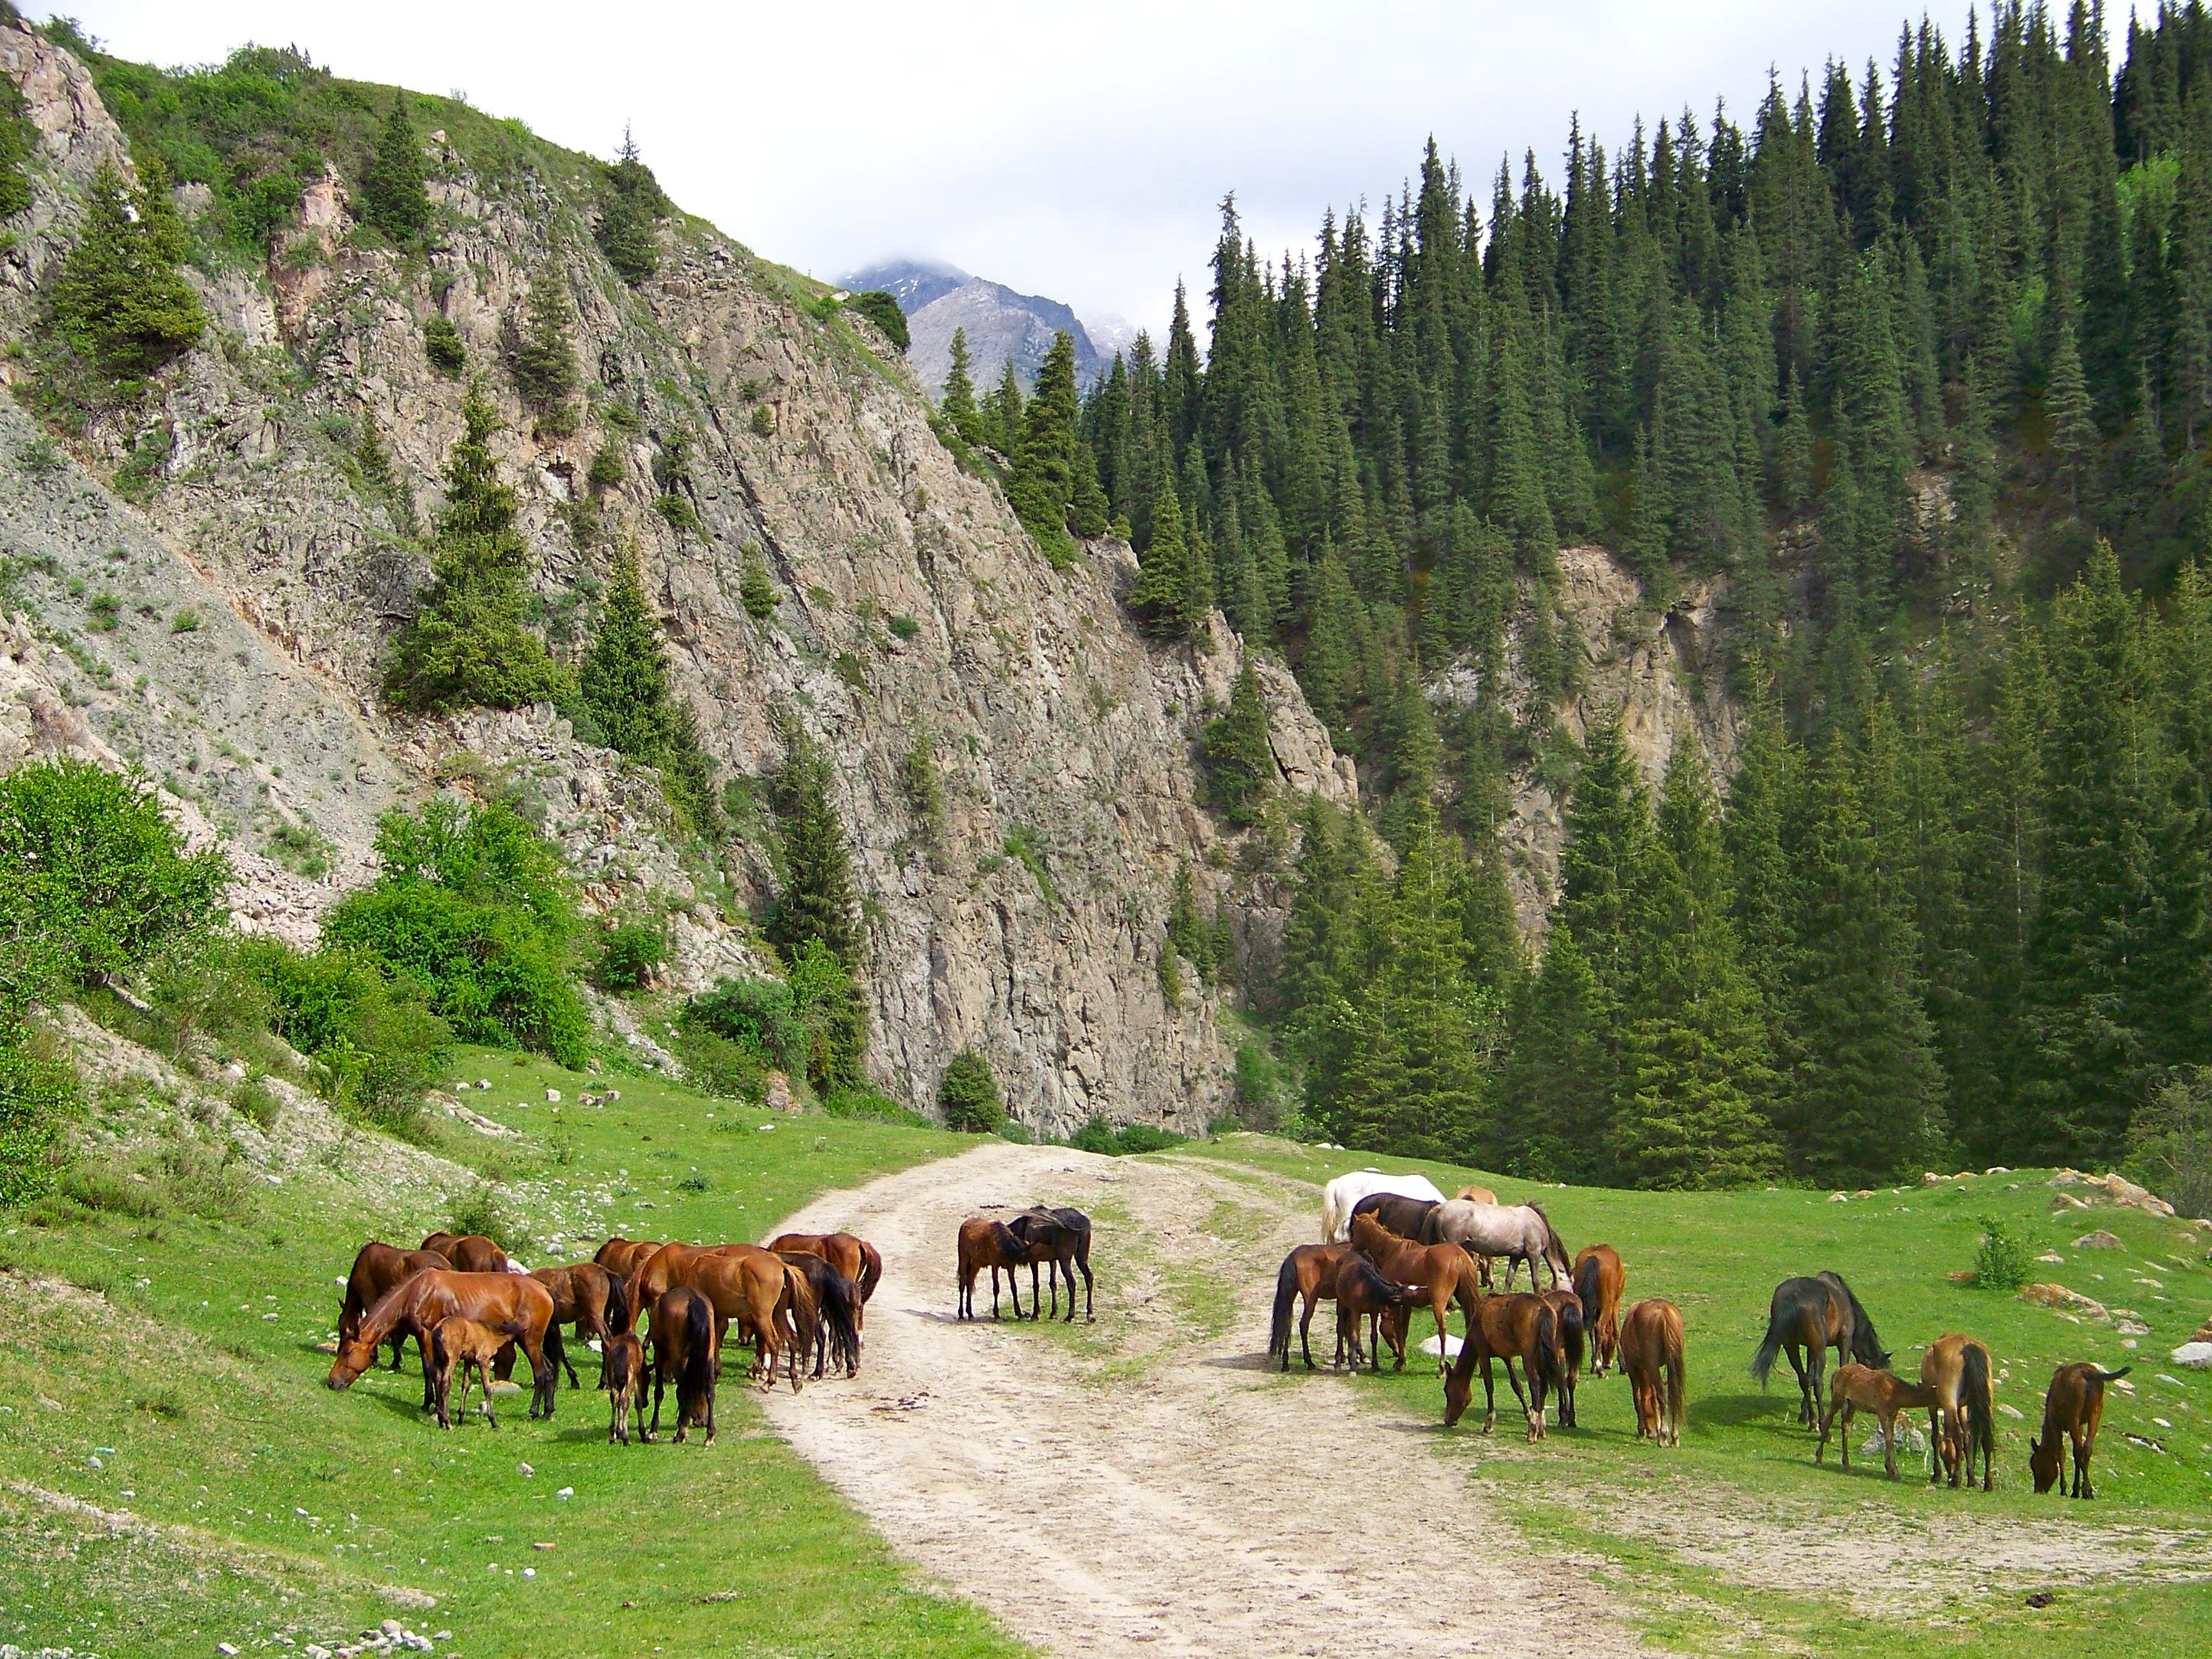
213, 1420
1718, 1256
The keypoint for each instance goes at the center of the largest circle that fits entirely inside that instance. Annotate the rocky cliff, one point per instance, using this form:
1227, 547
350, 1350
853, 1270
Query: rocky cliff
258, 569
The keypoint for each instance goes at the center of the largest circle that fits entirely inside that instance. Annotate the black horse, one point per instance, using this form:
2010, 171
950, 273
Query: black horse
1064, 1236
1409, 1217
1808, 1318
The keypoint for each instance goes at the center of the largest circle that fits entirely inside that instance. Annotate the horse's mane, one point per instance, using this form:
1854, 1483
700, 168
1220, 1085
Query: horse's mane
1861, 1320
1552, 1239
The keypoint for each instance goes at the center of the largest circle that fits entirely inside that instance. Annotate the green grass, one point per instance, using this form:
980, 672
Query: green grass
1718, 1256
272, 1505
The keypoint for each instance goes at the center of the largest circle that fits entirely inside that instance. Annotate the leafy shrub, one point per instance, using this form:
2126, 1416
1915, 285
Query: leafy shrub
755, 590
715, 1065
113, 1191
868, 1106
2170, 1143
376, 1045
904, 627
2004, 1261
483, 1211
210, 995
609, 466
758, 1015
1099, 1136
256, 1102
628, 953
186, 621
443, 345
18, 143
1015, 1130
763, 420
882, 309
968, 1097
104, 612
37, 1093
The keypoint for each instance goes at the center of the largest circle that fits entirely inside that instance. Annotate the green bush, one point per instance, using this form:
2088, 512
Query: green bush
630, 952
37, 1094
483, 1211
19, 142
968, 1097
754, 591
2004, 1261
715, 1065
210, 995
882, 309
757, 1014
376, 1045
869, 1106
1099, 1136
443, 345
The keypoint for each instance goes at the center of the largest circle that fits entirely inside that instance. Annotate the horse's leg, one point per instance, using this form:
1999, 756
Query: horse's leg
1305, 1341
559, 1350
1066, 1266
659, 1382
545, 1376
1490, 1394
1083, 1260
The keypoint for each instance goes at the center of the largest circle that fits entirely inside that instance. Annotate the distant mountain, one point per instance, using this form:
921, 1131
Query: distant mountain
1000, 323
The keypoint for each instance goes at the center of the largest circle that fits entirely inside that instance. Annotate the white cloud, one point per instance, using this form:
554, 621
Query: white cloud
1075, 150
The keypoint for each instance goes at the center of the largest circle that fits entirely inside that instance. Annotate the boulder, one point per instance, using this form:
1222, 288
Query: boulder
2067, 1202
2065, 1301
2196, 1355
2099, 1240
779, 1098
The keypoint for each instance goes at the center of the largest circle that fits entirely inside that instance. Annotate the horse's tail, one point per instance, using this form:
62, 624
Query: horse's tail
2111, 1376
698, 1373
617, 1315
1547, 1353
1677, 1408
1286, 1293
835, 1303
1776, 1334
1981, 1415
872, 1269
1328, 1215
1589, 1289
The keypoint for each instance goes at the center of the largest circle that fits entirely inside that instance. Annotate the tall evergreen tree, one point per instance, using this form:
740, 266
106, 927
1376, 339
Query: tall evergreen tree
119, 301
393, 196
1042, 485
817, 905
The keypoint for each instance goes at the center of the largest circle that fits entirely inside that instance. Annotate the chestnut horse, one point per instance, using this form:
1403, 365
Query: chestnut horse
588, 1296
377, 1269
684, 1347
1962, 1420
833, 1332
1812, 1316
469, 1253
2071, 1411
459, 1343
624, 1257
1475, 1195
850, 1255
1855, 1388
988, 1244
430, 1298
1308, 1275
758, 1291
1650, 1344
1442, 1272
1511, 1328
1364, 1297
624, 1369
1598, 1281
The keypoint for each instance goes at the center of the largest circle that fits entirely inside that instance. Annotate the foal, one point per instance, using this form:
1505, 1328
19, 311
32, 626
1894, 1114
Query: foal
1363, 1296
624, 1368
2071, 1411
461, 1342
1854, 1389
1651, 1343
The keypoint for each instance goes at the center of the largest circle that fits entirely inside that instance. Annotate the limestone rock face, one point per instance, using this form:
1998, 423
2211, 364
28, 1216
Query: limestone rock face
1026, 923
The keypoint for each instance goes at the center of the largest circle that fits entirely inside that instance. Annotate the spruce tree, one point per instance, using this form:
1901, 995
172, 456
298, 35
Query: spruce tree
624, 685
542, 353
1240, 761
119, 301
1041, 484
467, 646
1167, 588
817, 904
1551, 1100
393, 197
958, 401
631, 207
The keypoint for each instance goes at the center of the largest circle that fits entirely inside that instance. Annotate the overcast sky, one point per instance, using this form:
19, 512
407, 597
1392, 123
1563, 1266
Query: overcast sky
1075, 150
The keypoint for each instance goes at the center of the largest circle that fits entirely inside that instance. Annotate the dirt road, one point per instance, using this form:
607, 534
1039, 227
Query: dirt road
1144, 1479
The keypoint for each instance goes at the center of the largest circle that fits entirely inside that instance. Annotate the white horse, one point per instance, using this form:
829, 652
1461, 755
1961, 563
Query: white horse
1519, 1232
1346, 1190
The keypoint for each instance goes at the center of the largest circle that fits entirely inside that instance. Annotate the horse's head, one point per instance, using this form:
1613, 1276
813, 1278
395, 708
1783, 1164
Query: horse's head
1459, 1389
2042, 1457
353, 1358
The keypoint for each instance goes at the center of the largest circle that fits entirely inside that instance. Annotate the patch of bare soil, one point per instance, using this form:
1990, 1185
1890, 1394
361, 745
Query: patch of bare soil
1146, 1480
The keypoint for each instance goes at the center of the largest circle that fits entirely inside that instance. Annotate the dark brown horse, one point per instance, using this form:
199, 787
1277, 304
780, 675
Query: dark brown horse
377, 1269
684, 1347
625, 1372
427, 1300
1516, 1328
2071, 1411
1567, 1309
1061, 1237
1650, 1345
469, 1253
1442, 1272
588, 1296
1307, 1276
833, 1333
850, 1255
1409, 1217
1808, 1318
1599, 1280
990, 1244
1366, 1299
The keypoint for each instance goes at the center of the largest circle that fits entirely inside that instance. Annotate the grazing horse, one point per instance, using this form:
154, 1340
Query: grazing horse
850, 1255
1064, 1236
1364, 1297
625, 1372
1855, 1388
1409, 1217
1651, 1343
1962, 1420
1567, 1309
1599, 1279
1441, 1273
1519, 1232
1511, 1328
1308, 1275
462, 1342
685, 1346
430, 1298
624, 1257
833, 1332
1338, 1198
988, 1244
376, 1269
2071, 1411
469, 1253
588, 1296
766, 1298
1809, 1316
1476, 1195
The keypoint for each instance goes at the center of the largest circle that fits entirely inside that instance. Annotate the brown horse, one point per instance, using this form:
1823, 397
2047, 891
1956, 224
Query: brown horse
1652, 1343
1567, 1309
459, 1343
1475, 1195
833, 1332
623, 1256
1307, 1276
1855, 1388
430, 1298
377, 1269
754, 1289
850, 1255
1962, 1420
588, 1296
1811, 1316
988, 1244
1441, 1272
1599, 1279
684, 1347
1061, 1237
1364, 1297
469, 1253
1512, 1327
625, 1372
2071, 1411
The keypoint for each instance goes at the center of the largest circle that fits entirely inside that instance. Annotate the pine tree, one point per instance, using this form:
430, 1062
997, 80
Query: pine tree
1173, 590
631, 207
542, 353
1241, 773
393, 197
1553, 1101
817, 904
119, 301
467, 647
1041, 484
959, 402
624, 685
2071, 418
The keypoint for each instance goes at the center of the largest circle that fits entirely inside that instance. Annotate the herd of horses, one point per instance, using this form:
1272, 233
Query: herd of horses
660, 1311
799, 1300
1395, 1244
